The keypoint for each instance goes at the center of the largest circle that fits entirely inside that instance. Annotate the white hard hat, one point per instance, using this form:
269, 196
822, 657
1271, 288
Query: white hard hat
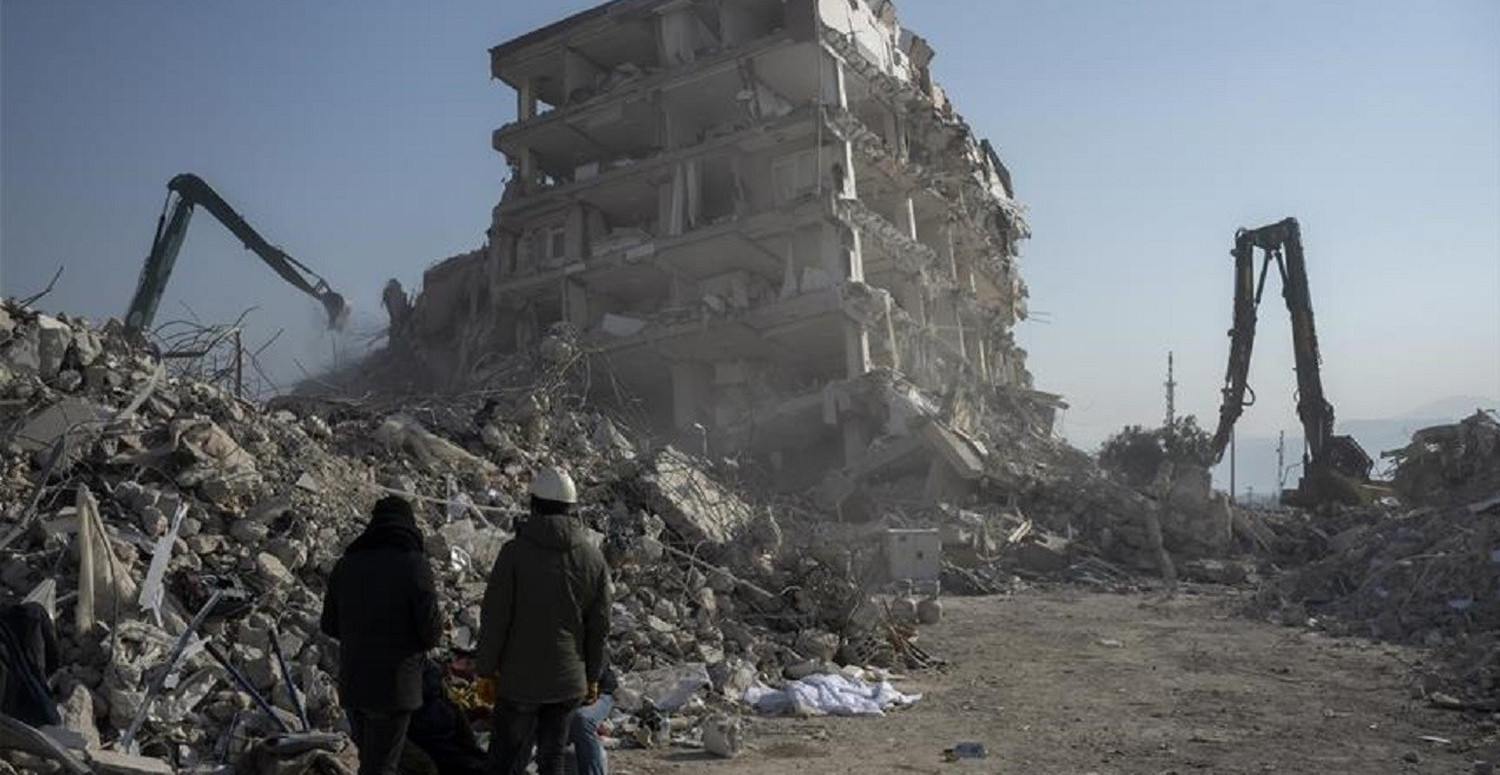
553, 485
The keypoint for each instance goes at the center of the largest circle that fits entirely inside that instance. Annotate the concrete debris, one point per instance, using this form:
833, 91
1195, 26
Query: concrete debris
752, 421
721, 736
694, 506
198, 501
70, 421
1452, 463
116, 763
19, 740
402, 433
1420, 572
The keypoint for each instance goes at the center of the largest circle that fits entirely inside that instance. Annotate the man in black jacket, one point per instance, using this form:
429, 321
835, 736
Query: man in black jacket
381, 605
542, 630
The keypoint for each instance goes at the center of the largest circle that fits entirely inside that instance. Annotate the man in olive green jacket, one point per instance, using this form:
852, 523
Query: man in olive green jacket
542, 629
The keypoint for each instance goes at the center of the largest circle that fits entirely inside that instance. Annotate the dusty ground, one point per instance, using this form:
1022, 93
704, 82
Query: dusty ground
1190, 688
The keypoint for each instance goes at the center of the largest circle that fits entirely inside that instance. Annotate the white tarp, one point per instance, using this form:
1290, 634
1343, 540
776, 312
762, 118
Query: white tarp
830, 694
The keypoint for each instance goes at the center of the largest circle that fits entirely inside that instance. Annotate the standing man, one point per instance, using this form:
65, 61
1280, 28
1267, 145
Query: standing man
381, 605
542, 630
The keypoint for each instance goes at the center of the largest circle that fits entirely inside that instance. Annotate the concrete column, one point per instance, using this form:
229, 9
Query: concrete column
856, 438
856, 348
906, 218
528, 170
855, 260
890, 336
840, 250
850, 188
909, 296
952, 253
958, 325
835, 90
526, 100
575, 303
984, 365
974, 347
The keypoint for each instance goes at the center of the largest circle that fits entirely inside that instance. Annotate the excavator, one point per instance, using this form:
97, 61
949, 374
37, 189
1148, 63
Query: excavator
1334, 468
184, 193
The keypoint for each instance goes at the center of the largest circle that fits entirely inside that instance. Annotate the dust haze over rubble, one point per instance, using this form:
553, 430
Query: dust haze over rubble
757, 274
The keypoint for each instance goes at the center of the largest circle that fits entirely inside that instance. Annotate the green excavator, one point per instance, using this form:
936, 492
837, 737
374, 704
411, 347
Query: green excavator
184, 193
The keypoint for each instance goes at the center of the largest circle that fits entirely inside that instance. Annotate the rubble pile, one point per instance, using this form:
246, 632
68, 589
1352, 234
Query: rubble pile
1420, 570
136, 503
1044, 509
1450, 463
1418, 575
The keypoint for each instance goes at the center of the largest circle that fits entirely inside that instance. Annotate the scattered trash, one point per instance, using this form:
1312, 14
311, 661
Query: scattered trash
964, 751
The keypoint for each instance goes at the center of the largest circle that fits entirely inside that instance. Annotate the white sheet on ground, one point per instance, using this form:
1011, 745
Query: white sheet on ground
828, 694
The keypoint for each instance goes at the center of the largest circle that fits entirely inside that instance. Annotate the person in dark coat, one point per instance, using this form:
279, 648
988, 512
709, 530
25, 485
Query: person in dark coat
542, 630
28, 657
381, 605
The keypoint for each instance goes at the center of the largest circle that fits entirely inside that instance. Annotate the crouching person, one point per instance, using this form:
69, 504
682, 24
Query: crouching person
588, 749
381, 606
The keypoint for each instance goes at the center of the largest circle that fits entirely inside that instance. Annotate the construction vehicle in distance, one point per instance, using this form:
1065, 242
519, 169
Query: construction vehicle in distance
1334, 468
185, 192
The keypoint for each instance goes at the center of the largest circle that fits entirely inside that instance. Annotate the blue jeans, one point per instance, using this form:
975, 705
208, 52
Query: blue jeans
587, 750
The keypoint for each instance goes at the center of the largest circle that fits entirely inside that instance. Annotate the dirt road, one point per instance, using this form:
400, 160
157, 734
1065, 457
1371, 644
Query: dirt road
1072, 683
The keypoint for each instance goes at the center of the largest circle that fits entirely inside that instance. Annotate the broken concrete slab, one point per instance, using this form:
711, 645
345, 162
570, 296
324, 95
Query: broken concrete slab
209, 443
959, 452
404, 433
1041, 553
77, 711
18, 736
68, 738
273, 571
87, 348
23, 356
53, 339
77, 419
693, 504
117, 763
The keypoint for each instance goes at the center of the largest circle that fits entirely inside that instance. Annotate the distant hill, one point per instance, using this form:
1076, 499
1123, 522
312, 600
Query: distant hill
1455, 407
1256, 456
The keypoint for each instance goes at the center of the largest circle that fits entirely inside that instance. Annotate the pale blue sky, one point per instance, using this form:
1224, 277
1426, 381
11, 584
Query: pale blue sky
1140, 135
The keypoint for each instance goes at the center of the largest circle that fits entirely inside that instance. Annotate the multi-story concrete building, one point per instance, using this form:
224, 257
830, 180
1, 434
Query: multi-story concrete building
744, 207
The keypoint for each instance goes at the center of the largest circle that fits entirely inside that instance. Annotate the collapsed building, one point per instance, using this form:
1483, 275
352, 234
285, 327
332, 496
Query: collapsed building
763, 221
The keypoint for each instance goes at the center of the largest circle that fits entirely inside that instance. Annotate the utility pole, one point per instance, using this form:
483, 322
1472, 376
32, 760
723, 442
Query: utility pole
239, 366
1171, 395
1231, 465
1280, 464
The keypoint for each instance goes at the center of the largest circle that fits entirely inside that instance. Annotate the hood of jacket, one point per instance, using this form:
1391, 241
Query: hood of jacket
389, 529
557, 532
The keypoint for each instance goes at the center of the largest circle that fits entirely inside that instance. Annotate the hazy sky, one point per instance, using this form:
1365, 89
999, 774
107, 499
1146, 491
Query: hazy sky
1141, 135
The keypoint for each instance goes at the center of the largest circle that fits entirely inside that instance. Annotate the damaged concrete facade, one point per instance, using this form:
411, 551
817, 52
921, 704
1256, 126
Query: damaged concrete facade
744, 209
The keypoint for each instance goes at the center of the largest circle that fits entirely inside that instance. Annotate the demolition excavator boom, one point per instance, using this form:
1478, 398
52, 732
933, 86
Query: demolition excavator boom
1330, 461
184, 193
